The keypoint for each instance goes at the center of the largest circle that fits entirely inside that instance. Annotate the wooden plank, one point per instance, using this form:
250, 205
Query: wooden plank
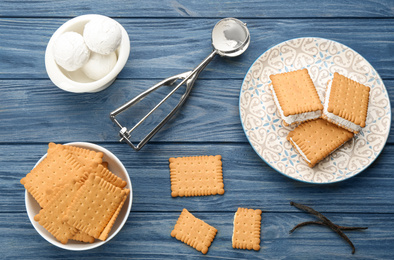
196, 9
34, 112
38, 111
248, 181
164, 47
147, 235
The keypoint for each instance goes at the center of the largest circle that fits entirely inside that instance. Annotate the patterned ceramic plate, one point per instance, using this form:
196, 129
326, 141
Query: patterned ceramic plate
266, 133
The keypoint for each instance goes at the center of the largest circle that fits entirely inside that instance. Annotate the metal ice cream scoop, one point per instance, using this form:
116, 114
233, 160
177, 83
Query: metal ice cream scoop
230, 38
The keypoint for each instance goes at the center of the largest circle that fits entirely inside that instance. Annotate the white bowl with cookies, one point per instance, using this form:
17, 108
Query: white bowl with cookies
88, 220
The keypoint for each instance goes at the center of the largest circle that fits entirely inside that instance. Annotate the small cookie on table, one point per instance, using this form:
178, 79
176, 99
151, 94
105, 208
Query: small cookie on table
196, 176
247, 226
194, 232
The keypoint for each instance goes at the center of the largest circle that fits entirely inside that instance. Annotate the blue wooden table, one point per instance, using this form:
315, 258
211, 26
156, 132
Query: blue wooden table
167, 38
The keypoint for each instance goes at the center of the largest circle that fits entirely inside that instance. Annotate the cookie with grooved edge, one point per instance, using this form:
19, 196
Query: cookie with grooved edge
346, 103
295, 96
103, 172
196, 176
56, 169
105, 164
247, 226
315, 140
104, 234
51, 216
194, 232
96, 207
83, 237
85, 157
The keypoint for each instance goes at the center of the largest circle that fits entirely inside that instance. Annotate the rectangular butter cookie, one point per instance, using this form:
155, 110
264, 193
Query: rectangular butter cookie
51, 217
196, 176
95, 207
56, 169
247, 226
194, 232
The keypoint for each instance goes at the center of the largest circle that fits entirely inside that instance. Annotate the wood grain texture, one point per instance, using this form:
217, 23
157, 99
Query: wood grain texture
247, 180
196, 8
211, 113
169, 37
164, 47
146, 235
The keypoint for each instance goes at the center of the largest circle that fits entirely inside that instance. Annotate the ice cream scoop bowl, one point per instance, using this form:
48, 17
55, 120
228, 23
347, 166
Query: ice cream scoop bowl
77, 81
230, 38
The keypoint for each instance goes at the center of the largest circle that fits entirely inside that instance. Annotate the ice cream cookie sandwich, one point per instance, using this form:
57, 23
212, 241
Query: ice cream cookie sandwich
295, 96
315, 140
346, 103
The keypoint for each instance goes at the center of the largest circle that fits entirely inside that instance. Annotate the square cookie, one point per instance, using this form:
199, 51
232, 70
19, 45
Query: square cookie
55, 170
295, 96
346, 103
96, 207
247, 226
85, 157
315, 140
51, 217
196, 176
194, 232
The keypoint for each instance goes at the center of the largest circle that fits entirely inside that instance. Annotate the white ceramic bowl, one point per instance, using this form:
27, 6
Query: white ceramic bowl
115, 166
77, 81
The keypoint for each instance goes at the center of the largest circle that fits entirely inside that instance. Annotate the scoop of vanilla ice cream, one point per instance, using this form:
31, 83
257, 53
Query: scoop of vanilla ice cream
99, 65
102, 35
70, 51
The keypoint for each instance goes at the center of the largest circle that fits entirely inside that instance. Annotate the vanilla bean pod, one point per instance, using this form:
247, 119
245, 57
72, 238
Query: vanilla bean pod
325, 221
323, 224
351, 228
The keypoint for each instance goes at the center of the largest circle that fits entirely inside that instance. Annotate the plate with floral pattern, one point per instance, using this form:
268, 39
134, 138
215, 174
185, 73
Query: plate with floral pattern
267, 134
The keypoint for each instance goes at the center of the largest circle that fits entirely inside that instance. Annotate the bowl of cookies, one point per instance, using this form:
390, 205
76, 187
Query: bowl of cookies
78, 196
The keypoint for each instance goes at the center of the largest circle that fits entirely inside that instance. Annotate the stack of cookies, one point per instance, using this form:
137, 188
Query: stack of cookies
320, 129
80, 198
